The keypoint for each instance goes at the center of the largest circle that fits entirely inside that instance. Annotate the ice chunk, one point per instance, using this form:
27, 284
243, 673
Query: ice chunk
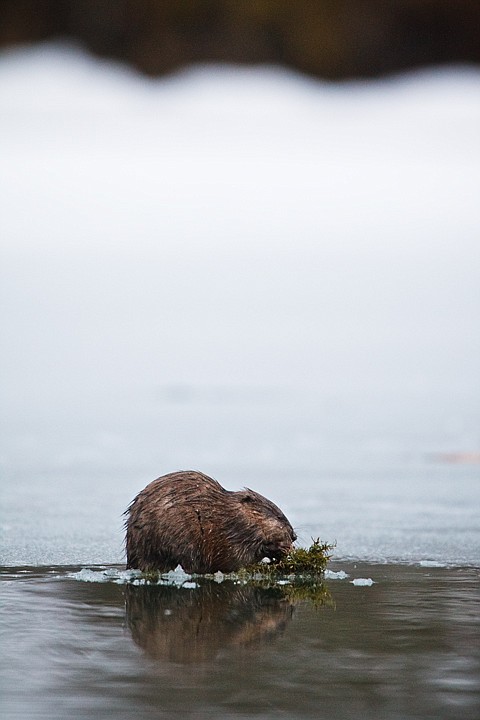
339, 575
101, 575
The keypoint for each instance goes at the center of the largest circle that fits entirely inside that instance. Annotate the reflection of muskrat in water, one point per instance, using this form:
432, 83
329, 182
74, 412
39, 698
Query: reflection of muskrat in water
188, 519
191, 625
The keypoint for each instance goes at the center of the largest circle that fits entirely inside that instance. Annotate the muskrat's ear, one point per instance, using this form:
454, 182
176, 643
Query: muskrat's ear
246, 496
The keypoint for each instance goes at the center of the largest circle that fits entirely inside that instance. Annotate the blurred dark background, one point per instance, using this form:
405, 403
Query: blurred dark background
327, 38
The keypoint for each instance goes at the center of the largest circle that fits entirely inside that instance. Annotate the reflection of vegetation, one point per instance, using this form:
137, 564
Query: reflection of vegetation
317, 594
295, 589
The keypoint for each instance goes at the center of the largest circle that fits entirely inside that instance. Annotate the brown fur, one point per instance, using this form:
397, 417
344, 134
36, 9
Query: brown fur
189, 519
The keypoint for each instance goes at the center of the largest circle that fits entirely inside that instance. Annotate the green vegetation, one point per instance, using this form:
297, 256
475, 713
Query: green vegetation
299, 575
300, 562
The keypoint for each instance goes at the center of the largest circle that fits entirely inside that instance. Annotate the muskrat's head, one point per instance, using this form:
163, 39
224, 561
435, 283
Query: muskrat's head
271, 534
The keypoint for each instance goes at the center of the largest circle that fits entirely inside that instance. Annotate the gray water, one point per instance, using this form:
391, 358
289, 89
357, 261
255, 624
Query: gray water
405, 646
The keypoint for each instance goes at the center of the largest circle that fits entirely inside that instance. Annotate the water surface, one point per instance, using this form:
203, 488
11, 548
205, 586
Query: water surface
406, 646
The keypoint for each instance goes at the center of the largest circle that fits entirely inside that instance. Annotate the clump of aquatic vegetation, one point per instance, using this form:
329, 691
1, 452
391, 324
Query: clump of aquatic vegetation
299, 574
300, 562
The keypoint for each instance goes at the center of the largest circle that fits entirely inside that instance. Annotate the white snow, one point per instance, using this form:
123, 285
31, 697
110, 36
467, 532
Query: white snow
224, 210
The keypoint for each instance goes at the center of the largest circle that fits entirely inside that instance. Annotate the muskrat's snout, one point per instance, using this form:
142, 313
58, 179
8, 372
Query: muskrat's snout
289, 544
285, 549
275, 549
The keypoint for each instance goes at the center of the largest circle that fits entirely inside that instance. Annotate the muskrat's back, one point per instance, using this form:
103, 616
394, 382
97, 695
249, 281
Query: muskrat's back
188, 519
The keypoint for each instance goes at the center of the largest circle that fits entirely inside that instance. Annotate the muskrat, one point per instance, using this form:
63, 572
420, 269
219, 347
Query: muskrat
187, 518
